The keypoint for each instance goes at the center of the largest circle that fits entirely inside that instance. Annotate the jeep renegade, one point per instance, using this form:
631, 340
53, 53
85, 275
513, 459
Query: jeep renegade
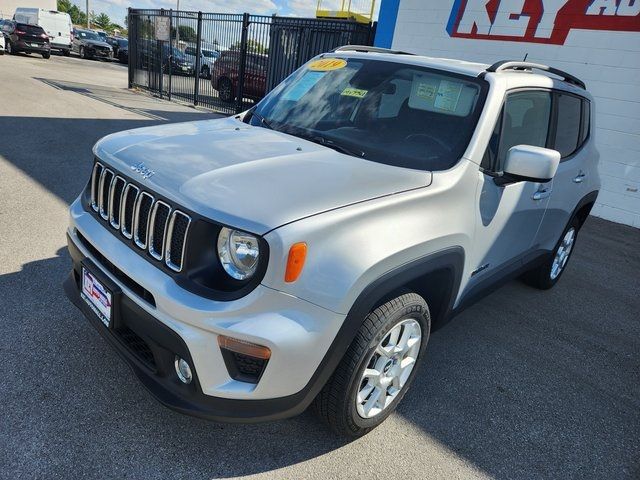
301, 252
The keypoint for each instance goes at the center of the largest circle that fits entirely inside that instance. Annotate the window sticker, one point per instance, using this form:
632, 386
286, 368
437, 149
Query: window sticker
426, 91
302, 86
448, 95
327, 64
354, 92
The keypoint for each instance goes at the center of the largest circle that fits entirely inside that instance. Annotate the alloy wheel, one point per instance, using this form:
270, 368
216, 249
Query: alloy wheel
562, 253
389, 368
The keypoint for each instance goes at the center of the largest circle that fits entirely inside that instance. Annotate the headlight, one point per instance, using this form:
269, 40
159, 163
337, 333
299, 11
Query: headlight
238, 252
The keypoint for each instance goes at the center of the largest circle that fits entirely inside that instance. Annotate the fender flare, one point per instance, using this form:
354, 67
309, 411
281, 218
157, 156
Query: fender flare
450, 259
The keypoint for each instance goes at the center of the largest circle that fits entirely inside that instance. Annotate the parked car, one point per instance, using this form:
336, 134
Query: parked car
172, 59
120, 48
21, 37
303, 251
1, 37
226, 71
208, 56
56, 24
88, 44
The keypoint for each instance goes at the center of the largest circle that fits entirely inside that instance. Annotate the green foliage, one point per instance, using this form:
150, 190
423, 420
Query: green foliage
102, 21
187, 34
253, 46
78, 17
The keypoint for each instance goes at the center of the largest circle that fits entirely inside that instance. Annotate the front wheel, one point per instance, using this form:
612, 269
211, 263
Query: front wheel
547, 275
66, 52
82, 53
378, 368
46, 56
10, 49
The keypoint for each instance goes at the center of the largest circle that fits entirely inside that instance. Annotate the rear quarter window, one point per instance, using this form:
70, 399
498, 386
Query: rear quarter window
568, 124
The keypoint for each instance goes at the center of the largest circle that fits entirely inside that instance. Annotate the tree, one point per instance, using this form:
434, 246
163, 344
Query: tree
253, 46
187, 33
102, 21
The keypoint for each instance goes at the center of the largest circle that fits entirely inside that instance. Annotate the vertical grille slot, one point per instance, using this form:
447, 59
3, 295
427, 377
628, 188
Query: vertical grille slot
115, 201
95, 184
103, 192
176, 237
158, 228
153, 225
141, 219
129, 198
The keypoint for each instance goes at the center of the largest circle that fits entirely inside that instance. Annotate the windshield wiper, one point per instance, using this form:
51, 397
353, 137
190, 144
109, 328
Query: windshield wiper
335, 146
263, 120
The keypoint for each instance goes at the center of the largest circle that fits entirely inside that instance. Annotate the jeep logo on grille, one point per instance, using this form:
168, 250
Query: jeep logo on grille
142, 169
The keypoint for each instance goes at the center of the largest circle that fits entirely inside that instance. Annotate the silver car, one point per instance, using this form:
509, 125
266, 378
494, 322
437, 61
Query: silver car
302, 252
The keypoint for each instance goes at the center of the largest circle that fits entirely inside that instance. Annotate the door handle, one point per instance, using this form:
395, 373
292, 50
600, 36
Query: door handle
540, 194
579, 178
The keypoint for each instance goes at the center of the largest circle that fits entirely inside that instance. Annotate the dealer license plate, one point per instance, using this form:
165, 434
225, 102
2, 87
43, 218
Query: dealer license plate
97, 296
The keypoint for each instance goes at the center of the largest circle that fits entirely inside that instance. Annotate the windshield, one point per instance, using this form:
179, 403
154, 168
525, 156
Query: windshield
210, 53
85, 35
386, 112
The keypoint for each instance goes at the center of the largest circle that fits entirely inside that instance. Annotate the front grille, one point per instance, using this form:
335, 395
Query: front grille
152, 224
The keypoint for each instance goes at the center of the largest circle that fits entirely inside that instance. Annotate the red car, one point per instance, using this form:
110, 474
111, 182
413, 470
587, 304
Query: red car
225, 75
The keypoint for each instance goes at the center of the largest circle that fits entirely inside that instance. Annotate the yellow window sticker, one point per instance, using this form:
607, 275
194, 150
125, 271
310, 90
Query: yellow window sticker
426, 91
354, 92
326, 64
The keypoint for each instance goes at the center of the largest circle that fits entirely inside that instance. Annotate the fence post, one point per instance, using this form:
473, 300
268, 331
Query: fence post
196, 90
243, 62
131, 43
170, 64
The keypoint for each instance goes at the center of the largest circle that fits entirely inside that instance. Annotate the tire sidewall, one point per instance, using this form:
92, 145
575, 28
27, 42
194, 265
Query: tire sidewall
409, 311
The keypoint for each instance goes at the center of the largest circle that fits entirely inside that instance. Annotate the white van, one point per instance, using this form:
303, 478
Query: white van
57, 25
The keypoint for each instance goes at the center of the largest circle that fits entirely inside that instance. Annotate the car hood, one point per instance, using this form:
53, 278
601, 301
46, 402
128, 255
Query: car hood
248, 177
96, 43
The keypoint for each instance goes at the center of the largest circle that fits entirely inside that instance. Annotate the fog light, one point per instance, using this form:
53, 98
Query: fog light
183, 370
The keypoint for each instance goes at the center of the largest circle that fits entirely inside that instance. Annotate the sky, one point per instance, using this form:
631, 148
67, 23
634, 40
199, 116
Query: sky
117, 9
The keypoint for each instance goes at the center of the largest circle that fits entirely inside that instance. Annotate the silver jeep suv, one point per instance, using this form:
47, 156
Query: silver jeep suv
302, 252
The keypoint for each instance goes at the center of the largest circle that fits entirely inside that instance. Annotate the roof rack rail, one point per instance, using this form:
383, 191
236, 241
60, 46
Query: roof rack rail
368, 49
528, 66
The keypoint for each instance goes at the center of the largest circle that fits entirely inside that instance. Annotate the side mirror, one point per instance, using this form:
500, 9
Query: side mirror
531, 164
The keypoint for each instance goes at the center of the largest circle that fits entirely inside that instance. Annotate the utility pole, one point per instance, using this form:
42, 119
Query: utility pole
88, 24
177, 24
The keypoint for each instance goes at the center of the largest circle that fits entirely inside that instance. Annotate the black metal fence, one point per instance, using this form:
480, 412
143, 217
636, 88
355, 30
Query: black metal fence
227, 62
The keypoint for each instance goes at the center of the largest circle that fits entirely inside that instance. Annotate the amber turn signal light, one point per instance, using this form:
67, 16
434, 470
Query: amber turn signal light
243, 347
295, 262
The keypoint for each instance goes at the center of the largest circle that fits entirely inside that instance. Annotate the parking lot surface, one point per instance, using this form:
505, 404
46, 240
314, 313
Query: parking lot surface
525, 384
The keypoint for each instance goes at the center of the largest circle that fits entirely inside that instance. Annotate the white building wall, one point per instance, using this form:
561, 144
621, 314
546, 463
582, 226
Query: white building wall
608, 61
8, 7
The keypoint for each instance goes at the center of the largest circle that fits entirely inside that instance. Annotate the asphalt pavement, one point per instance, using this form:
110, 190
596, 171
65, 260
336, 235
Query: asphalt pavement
525, 384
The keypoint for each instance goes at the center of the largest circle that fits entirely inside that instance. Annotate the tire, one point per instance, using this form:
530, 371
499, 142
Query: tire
82, 53
339, 404
547, 275
225, 90
66, 53
9, 48
46, 56
206, 73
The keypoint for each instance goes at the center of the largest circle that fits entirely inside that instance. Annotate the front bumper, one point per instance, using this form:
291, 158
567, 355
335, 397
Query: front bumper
299, 334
